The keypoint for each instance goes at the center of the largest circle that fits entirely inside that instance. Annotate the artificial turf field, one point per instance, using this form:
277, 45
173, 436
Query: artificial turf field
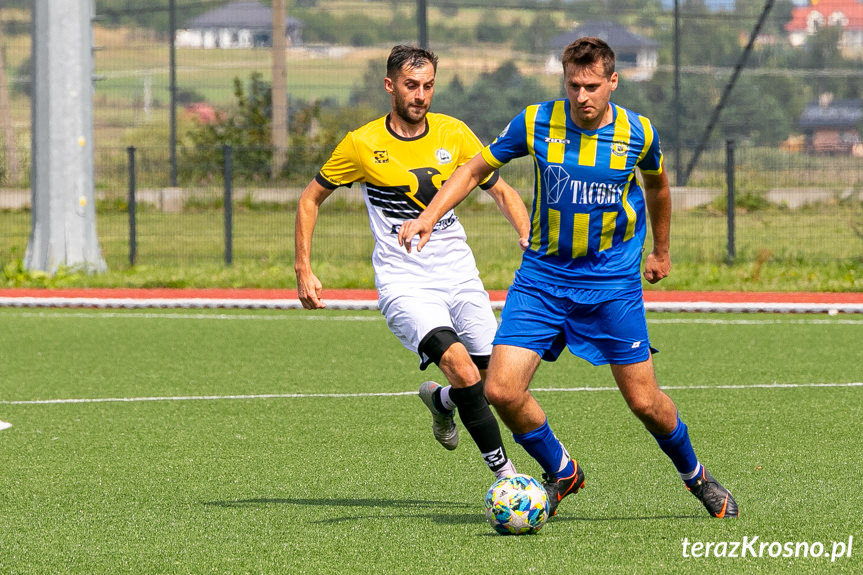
183, 441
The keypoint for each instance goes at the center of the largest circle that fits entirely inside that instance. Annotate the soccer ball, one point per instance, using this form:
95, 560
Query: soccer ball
516, 505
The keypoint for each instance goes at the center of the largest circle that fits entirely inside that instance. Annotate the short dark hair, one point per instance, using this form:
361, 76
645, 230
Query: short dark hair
588, 51
403, 56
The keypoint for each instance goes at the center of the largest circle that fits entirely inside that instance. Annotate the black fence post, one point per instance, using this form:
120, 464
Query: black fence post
133, 235
229, 213
422, 24
729, 177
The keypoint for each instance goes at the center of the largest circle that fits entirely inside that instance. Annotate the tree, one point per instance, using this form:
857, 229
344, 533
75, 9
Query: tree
492, 29
370, 91
755, 115
318, 127
822, 49
492, 101
246, 128
535, 36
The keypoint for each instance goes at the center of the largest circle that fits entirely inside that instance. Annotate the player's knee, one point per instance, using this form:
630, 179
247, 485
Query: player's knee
640, 407
461, 368
443, 347
497, 394
435, 344
650, 410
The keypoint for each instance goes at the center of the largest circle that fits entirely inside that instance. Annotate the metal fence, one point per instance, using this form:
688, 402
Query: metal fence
734, 93
786, 213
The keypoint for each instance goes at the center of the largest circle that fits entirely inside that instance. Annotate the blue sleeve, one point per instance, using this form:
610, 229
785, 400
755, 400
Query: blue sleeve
652, 161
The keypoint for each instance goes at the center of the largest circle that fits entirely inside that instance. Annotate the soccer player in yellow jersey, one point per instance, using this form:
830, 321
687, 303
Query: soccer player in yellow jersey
579, 285
435, 304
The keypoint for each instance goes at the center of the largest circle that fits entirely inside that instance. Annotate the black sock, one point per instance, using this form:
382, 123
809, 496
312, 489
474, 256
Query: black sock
476, 415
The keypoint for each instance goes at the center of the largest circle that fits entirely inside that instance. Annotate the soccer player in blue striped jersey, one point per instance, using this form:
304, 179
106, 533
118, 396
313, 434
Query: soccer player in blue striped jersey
579, 284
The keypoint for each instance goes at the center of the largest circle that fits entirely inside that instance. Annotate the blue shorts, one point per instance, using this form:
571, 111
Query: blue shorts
611, 330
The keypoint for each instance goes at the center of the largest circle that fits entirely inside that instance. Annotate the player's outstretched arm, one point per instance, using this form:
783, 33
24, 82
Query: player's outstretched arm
657, 196
454, 190
512, 207
308, 285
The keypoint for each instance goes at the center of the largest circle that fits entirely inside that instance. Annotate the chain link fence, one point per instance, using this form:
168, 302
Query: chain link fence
759, 98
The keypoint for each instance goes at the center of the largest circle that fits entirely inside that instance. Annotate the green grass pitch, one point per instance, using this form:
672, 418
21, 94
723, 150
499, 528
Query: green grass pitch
185, 441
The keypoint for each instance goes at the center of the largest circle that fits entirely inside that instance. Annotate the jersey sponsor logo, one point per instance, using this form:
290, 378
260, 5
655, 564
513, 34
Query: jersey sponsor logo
443, 156
442, 224
559, 185
619, 148
381, 156
596, 193
556, 181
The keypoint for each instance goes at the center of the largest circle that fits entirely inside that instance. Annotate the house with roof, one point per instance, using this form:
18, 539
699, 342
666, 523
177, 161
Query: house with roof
636, 56
243, 24
846, 14
832, 126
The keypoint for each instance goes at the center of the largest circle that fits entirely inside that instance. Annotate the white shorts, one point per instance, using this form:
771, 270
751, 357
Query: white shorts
413, 311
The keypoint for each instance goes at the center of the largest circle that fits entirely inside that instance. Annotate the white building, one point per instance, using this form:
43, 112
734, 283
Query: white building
236, 25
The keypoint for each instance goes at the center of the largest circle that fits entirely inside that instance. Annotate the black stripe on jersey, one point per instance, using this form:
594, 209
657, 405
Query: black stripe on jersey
393, 201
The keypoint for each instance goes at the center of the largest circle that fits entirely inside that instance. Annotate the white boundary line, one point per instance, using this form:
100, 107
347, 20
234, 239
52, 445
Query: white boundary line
99, 313
749, 307
217, 303
396, 393
780, 321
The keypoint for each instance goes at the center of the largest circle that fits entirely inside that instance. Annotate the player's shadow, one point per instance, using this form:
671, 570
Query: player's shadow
445, 512
564, 518
441, 512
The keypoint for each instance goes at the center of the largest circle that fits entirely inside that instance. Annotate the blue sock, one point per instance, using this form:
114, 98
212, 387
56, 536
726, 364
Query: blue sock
543, 446
677, 446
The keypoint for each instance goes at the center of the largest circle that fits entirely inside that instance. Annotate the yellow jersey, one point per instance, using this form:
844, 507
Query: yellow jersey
399, 177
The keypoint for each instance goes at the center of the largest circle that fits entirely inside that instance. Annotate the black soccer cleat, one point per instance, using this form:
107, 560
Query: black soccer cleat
559, 488
716, 499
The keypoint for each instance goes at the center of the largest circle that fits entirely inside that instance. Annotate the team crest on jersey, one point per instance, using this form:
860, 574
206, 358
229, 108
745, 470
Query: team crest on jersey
381, 156
619, 148
443, 156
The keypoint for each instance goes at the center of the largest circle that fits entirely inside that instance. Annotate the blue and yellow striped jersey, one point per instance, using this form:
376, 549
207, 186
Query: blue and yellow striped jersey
588, 219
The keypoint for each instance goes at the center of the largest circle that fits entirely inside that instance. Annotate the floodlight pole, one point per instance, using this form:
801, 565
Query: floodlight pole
63, 214
279, 90
678, 160
172, 24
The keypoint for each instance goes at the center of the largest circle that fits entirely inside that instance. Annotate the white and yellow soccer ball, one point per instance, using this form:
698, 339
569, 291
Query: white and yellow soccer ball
516, 505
